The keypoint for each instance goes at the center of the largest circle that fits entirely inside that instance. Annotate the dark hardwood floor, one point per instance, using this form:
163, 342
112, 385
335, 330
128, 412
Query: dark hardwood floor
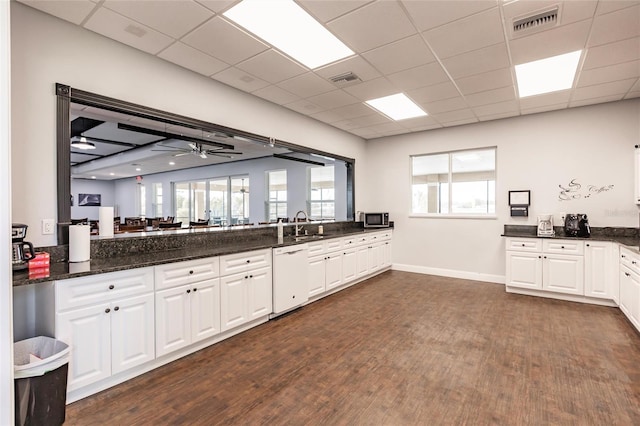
399, 349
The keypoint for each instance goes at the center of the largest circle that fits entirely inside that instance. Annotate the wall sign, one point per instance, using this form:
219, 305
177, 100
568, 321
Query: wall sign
575, 191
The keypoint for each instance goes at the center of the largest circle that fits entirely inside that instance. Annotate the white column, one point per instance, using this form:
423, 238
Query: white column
6, 290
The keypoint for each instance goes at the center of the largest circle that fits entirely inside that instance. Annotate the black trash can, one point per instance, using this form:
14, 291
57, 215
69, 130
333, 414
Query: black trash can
40, 369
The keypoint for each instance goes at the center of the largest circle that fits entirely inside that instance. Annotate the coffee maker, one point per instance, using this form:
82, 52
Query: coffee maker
545, 225
22, 250
576, 225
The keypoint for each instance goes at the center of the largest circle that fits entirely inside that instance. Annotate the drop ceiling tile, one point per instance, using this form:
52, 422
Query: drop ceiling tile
305, 107
607, 74
327, 116
354, 64
471, 33
400, 55
491, 96
127, 31
633, 94
462, 115
619, 25
556, 41
276, 95
555, 98
592, 101
364, 133
271, 66
613, 5
485, 81
236, 47
326, 10
425, 75
546, 108
306, 85
431, 14
479, 61
217, 6
74, 12
499, 116
370, 120
352, 111
346, 125
385, 127
600, 90
372, 89
570, 11
461, 122
193, 59
434, 93
612, 53
334, 99
445, 105
358, 31
240, 80
426, 127
508, 107
170, 17
412, 123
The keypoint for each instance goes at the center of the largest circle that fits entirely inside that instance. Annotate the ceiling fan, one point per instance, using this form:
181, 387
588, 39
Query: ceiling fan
196, 148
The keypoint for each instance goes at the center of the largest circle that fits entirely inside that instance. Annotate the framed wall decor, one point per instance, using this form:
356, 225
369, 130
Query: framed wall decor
519, 202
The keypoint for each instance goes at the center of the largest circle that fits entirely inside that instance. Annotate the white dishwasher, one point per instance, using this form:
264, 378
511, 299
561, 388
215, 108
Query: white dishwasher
290, 277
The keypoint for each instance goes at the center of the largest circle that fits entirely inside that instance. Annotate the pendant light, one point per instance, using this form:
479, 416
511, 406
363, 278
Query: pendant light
82, 143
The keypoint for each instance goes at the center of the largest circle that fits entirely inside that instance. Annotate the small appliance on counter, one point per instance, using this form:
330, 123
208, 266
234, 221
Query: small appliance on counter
376, 220
545, 225
576, 225
22, 250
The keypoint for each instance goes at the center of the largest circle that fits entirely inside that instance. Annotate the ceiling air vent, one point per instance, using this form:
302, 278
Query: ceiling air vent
346, 79
537, 22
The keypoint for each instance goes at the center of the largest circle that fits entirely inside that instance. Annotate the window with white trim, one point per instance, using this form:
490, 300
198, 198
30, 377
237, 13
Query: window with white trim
321, 202
276, 203
454, 183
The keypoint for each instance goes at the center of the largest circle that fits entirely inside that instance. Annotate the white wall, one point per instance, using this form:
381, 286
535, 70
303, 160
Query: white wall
46, 50
593, 145
106, 189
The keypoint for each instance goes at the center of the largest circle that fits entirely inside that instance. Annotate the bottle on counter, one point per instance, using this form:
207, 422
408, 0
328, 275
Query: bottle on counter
280, 232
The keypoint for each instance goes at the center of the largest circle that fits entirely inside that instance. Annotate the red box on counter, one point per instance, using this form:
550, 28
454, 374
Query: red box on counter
39, 272
41, 260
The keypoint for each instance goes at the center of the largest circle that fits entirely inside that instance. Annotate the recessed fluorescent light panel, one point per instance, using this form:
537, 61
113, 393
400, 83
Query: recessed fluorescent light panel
397, 107
286, 26
547, 75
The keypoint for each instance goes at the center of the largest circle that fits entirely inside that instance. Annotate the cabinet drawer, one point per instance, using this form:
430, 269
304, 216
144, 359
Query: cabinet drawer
524, 244
333, 244
563, 246
181, 273
241, 262
384, 236
85, 291
361, 240
630, 260
316, 248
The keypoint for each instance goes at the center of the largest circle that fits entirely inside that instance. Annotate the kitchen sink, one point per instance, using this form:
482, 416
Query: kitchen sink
307, 237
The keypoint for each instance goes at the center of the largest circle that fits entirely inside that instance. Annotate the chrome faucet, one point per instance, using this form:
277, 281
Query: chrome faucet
299, 227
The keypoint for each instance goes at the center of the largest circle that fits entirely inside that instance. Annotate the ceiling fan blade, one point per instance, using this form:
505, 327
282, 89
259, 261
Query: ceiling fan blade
216, 152
181, 154
203, 155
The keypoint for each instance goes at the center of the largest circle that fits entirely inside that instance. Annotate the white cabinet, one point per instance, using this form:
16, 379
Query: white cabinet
599, 276
325, 272
636, 180
108, 320
246, 294
630, 295
550, 265
349, 264
187, 303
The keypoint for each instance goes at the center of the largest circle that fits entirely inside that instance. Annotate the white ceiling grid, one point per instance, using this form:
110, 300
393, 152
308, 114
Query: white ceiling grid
454, 58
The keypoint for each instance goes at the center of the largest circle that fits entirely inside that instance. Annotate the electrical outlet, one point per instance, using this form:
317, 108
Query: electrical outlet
48, 226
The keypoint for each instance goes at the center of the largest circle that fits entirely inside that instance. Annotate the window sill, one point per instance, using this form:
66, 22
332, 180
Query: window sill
453, 216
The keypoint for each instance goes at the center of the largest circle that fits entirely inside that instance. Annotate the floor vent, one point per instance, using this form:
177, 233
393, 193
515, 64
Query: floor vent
537, 22
346, 79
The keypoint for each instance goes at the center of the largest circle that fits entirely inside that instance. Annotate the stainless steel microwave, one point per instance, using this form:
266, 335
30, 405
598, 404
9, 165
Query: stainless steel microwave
376, 220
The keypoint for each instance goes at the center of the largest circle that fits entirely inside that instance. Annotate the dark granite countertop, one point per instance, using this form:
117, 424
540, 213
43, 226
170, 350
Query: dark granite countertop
64, 270
625, 236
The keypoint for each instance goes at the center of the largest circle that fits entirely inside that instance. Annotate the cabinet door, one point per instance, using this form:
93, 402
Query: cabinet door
259, 288
233, 301
375, 257
88, 332
362, 261
316, 275
173, 328
205, 309
349, 265
598, 280
333, 268
524, 270
630, 296
386, 254
563, 273
132, 332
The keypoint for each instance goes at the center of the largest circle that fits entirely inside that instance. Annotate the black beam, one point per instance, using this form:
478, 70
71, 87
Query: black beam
172, 136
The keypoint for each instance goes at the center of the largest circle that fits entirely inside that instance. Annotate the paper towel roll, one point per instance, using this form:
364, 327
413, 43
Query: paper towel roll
78, 267
79, 243
105, 223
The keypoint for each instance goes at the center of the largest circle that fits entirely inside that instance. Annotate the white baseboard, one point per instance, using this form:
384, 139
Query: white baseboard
560, 296
452, 273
